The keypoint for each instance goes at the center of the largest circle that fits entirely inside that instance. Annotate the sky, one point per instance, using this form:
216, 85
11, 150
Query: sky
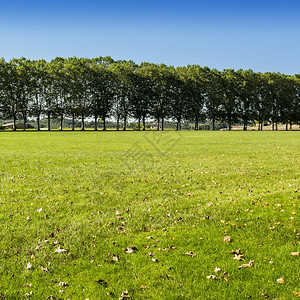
247, 34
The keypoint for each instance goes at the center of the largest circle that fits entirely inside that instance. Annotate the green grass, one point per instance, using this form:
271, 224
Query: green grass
175, 193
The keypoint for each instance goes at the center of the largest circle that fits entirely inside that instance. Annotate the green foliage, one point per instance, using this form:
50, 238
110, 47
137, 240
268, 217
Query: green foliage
80, 88
172, 197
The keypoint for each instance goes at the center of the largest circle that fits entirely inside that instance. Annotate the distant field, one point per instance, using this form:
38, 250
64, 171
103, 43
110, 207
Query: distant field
150, 215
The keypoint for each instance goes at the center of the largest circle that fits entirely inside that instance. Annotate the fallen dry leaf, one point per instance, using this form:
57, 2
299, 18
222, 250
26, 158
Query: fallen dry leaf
280, 280
63, 283
143, 287
60, 250
28, 294
214, 277
238, 257
124, 295
265, 295
154, 259
227, 239
294, 253
115, 258
29, 266
39, 210
237, 251
217, 269
296, 293
44, 269
249, 265
191, 254
130, 250
28, 218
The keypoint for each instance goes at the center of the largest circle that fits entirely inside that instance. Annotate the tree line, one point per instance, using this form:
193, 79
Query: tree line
101, 88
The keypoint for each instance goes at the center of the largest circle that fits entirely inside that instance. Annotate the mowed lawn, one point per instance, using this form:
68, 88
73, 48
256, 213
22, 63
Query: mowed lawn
149, 215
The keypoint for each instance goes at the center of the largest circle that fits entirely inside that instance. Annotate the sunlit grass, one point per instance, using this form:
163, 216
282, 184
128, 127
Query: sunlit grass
171, 196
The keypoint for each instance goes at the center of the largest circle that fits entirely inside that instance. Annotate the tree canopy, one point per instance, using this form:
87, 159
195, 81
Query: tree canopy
101, 88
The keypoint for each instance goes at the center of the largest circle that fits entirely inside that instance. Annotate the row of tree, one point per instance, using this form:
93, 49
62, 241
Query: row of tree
101, 88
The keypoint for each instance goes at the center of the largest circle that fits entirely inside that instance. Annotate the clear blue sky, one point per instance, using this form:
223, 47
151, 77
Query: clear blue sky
261, 35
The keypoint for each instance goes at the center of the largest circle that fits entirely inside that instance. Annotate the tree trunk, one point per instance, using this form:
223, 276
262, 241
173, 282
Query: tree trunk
196, 123
245, 125
24, 124
38, 122
213, 121
276, 126
287, 125
144, 123
15, 121
73, 121
162, 124
118, 122
139, 124
104, 123
96, 122
273, 128
229, 125
125, 123
49, 123
291, 125
61, 122
83, 124
158, 123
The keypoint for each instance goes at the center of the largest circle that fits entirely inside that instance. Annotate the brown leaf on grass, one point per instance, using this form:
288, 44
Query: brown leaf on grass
280, 280
214, 277
118, 213
249, 265
237, 251
143, 287
103, 282
28, 218
39, 210
294, 253
29, 266
124, 295
154, 259
265, 295
62, 283
115, 258
150, 254
269, 260
191, 254
217, 270
130, 250
44, 269
60, 250
238, 257
28, 294
227, 239
296, 293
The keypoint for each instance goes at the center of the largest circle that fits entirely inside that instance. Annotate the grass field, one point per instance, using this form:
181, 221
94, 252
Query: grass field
150, 215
